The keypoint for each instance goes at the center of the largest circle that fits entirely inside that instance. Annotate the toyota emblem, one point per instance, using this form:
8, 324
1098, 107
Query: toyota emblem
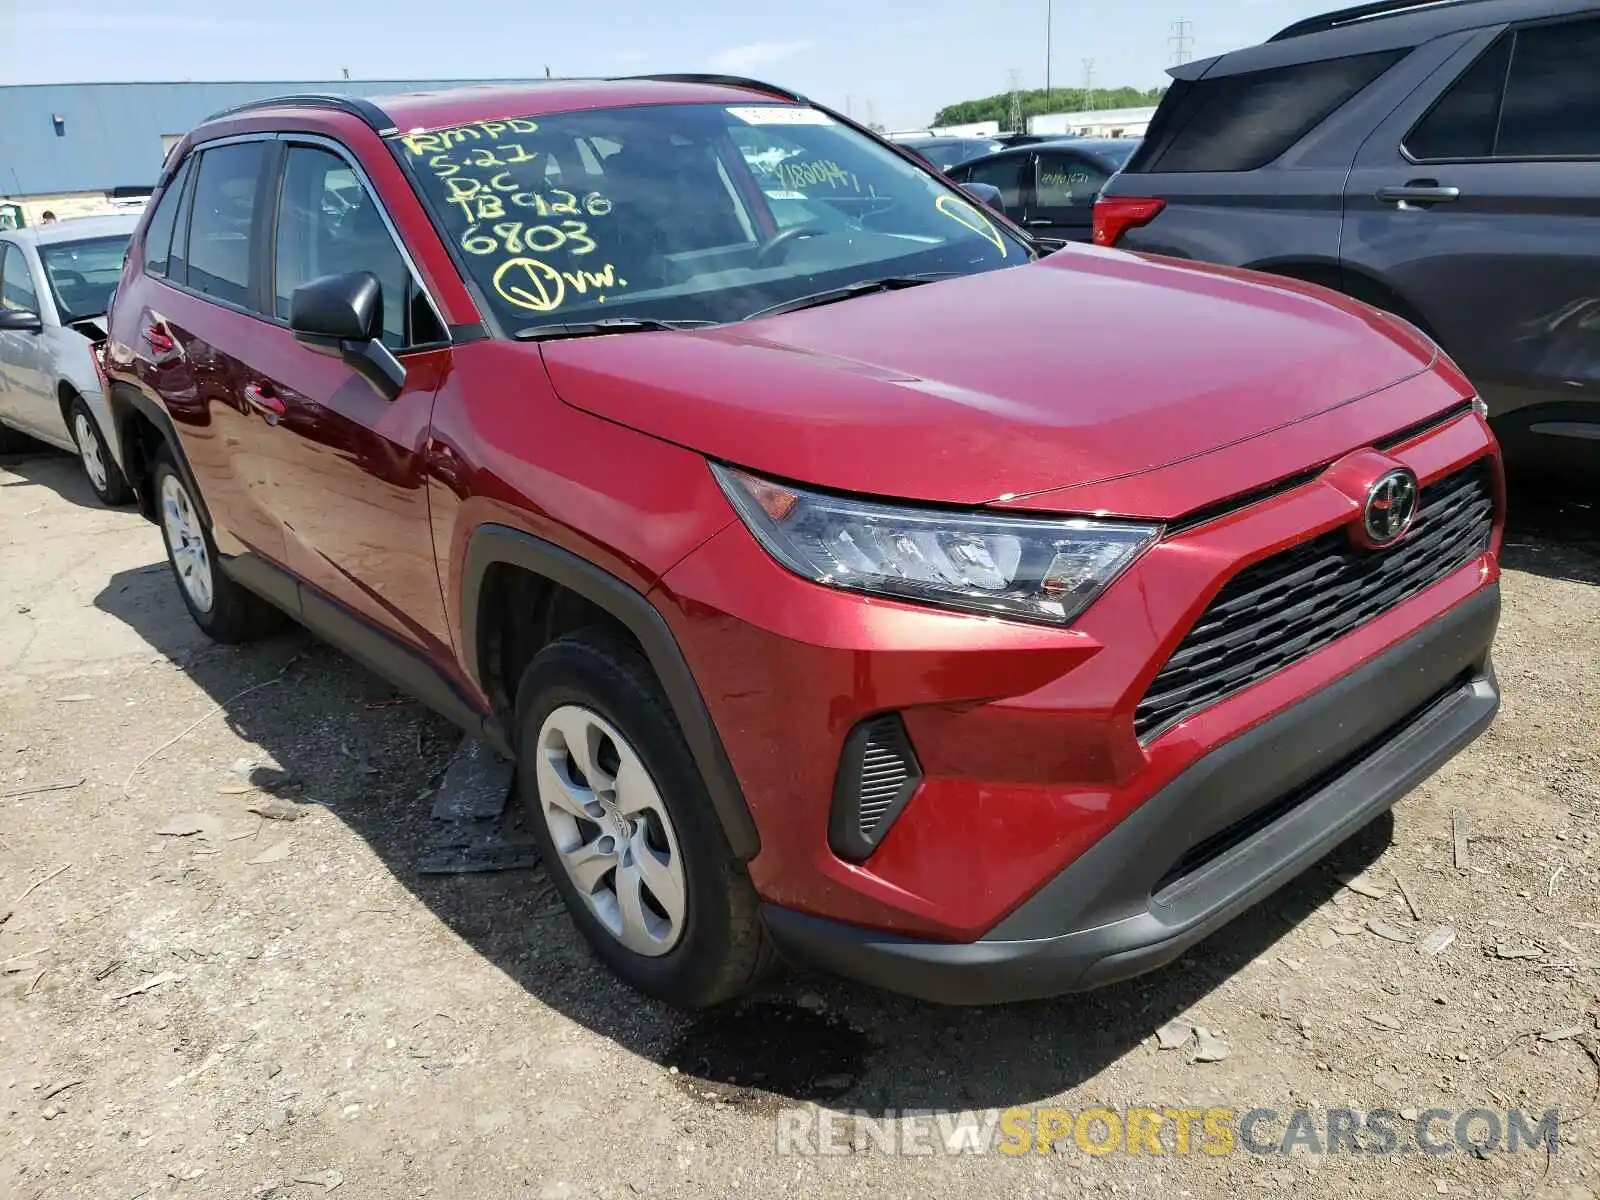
1390, 507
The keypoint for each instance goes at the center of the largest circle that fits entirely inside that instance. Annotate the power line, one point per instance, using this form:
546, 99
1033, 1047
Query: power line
1181, 39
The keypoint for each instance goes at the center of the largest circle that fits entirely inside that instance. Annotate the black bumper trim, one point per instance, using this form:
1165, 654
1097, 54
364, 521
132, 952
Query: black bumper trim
1117, 911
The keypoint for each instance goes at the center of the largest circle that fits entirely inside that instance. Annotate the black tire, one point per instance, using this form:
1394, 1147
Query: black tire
116, 491
723, 948
235, 614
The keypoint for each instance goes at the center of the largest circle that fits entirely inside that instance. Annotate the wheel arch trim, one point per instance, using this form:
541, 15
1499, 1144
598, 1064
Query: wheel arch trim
492, 545
125, 402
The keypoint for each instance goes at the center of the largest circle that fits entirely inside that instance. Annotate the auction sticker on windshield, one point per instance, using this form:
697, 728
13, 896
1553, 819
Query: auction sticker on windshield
774, 114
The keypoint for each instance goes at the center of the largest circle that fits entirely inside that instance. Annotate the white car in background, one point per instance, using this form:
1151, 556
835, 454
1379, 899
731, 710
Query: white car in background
55, 286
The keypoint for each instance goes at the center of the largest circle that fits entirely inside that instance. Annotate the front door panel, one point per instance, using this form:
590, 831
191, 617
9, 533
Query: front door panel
343, 472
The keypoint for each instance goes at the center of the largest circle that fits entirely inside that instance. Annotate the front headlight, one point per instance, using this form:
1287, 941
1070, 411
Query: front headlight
1038, 569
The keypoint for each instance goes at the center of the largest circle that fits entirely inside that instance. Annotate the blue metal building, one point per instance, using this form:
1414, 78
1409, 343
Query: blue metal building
58, 139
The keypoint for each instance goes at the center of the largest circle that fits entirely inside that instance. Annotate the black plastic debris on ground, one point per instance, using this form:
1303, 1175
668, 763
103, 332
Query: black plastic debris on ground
471, 803
475, 785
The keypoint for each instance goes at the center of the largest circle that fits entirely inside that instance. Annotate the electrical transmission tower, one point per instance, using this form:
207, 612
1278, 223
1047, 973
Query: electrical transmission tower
1088, 85
1182, 38
1014, 119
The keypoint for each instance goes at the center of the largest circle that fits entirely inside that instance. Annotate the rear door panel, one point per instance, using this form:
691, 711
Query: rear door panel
1504, 275
1065, 185
194, 328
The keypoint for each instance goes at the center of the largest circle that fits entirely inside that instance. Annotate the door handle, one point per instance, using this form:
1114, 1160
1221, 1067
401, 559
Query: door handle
1421, 191
260, 397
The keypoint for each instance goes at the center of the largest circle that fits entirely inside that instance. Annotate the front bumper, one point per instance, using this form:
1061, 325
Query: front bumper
1240, 822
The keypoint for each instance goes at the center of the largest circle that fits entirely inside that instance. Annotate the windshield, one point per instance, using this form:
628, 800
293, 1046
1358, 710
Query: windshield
700, 212
83, 274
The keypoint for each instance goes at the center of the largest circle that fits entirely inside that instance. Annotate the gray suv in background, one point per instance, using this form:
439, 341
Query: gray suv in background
1438, 160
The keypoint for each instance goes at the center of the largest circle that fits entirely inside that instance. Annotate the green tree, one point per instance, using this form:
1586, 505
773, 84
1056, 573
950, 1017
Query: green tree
1037, 101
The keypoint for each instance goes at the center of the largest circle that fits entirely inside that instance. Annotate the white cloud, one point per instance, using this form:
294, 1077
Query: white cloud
744, 60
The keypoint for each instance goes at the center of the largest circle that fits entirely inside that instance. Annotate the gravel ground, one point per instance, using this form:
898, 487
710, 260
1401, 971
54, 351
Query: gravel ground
198, 1000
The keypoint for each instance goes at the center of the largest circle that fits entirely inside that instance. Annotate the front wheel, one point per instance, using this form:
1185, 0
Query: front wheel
104, 475
224, 610
626, 828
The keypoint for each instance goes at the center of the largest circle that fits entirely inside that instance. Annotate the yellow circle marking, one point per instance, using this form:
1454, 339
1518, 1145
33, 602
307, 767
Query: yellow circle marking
529, 283
965, 215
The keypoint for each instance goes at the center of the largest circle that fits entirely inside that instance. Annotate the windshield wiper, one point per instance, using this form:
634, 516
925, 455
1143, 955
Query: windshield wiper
889, 283
572, 329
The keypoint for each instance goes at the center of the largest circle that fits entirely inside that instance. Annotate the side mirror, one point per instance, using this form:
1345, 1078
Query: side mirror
20, 320
343, 315
986, 193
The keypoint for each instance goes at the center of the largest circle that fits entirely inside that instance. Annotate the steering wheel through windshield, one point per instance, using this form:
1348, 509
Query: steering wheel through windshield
777, 247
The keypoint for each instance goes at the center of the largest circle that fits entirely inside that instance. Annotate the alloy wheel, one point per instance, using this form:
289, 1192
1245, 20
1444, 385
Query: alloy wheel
89, 450
611, 830
187, 542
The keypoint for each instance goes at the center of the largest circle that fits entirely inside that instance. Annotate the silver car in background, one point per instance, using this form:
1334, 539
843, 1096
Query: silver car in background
56, 282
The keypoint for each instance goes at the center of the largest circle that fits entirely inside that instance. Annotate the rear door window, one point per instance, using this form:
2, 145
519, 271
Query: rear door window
219, 229
1067, 181
158, 237
1534, 94
1241, 122
1552, 106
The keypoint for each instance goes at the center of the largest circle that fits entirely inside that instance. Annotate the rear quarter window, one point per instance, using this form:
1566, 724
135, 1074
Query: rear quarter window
1241, 122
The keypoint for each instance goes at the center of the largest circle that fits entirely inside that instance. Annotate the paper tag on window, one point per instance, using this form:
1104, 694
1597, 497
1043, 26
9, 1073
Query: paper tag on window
780, 114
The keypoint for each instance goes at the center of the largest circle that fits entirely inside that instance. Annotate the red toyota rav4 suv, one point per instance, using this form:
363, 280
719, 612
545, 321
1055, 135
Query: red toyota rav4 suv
846, 577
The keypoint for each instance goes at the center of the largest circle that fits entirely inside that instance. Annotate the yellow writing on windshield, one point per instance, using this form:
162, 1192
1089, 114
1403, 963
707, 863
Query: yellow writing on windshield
418, 143
513, 237
532, 284
968, 217
494, 173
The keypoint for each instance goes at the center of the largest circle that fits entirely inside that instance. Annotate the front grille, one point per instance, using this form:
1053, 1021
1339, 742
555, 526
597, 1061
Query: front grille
1291, 605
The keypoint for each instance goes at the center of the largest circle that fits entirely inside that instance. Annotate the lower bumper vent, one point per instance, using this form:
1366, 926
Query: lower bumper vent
878, 772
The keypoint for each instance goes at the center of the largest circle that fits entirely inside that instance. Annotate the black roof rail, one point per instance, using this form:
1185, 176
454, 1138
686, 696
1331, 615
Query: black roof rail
1361, 12
356, 106
728, 81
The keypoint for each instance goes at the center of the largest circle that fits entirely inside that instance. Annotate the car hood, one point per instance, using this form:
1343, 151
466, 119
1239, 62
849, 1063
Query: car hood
1081, 367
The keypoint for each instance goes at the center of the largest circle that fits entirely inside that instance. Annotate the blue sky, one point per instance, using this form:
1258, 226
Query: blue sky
895, 60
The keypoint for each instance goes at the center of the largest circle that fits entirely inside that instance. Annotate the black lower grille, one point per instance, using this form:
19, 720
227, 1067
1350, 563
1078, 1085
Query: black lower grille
1291, 605
1214, 847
